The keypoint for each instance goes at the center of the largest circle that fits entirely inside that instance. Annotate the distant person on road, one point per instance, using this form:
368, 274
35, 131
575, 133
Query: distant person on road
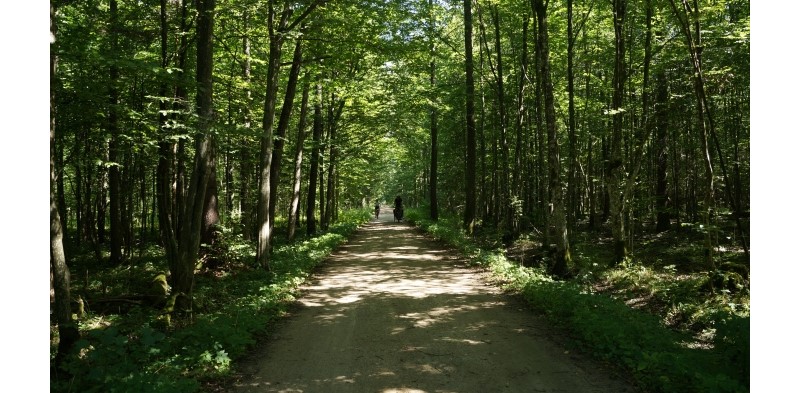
377, 208
398, 208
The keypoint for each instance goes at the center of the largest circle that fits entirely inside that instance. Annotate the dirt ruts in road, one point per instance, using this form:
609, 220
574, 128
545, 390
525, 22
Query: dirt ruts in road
392, 311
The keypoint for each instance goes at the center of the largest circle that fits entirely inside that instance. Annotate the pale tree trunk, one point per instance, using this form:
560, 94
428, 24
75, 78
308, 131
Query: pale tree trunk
469, 208
294, 208
562, 257
265, 188
68, 332
277, 34
283, 125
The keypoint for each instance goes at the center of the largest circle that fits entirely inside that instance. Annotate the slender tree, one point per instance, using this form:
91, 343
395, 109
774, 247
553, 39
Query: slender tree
434, 198
562, 257
294, 208
114, 181
469, 208
67, 328
313, 175
192, 223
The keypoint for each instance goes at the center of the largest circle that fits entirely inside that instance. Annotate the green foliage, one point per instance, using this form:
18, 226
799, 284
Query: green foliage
132, 353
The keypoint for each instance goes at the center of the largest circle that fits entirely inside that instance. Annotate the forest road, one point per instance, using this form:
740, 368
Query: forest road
393, 311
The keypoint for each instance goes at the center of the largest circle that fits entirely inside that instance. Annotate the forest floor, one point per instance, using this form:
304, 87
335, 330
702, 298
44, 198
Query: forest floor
394, 311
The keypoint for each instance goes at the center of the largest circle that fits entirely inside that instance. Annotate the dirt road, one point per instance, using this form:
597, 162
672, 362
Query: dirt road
392, 311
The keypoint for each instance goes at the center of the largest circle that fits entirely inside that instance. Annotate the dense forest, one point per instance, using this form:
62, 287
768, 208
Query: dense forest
193, 139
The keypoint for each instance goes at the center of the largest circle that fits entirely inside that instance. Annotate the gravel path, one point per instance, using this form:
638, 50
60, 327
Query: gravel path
392, 311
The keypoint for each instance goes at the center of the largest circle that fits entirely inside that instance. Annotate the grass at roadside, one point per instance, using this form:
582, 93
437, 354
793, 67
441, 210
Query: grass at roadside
133, 350
661, 358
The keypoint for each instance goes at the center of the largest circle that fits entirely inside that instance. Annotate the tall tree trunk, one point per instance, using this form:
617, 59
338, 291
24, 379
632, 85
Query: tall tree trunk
516, 185
68, 332
192, 224
294, 208
469, 208
662, 153
434, 198
615, 167
114, 186
562, 258
245, 168
573, 139
276, 30
704, 119
313, 174
283, 125
503, 199
334, 111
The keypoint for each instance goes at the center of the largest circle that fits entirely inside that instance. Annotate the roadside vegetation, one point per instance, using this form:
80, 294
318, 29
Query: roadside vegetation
129, 346
673, 328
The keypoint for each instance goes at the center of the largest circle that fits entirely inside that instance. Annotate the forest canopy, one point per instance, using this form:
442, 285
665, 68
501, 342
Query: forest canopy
571, 133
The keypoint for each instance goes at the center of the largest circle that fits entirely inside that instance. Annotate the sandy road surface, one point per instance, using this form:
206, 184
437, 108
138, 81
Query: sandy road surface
391, 311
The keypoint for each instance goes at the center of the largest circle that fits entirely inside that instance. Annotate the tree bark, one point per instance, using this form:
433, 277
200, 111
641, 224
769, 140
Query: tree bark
191, 225
562, 258
68, 332
516, 183
704, 120
313, 174
662, 153
294, 208
114, 186
276, 30
283, 125
470, 203
434, 198
615, 167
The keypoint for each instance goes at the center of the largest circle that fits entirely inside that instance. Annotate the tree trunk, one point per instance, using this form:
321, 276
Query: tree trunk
615, 167
313, 174
114, 181
434, 198
283, 125
298, 163
263, 248
245, 169
662, 153
704, 120
562, 258
191, 225
520, 121
68, 332
573, 139
469, 208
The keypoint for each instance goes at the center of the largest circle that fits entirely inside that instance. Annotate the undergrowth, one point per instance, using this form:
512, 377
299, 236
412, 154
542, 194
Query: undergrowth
662, 355
136, 351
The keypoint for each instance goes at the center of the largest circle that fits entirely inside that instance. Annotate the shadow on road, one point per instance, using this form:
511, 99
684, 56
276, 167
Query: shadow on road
392, 311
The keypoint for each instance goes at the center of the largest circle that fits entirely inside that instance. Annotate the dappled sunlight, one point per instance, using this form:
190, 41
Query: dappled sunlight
392, 312
444, 314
